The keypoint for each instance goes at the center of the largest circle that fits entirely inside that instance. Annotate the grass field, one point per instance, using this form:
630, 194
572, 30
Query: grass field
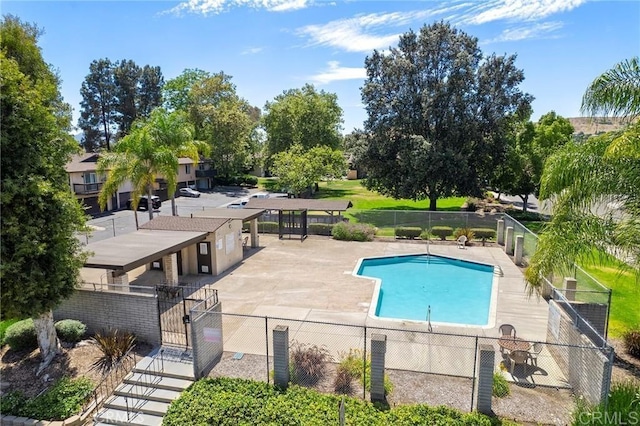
625, 291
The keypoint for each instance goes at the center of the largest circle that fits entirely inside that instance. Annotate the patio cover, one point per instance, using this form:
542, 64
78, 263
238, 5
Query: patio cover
245, 214
298, 204
130, 251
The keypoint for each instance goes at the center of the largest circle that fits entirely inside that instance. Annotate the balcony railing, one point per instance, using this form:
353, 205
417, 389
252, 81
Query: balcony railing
86, 188
205, 173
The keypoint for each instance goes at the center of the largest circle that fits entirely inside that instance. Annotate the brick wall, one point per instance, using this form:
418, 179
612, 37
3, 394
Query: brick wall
137, 313
206, 339
586, 368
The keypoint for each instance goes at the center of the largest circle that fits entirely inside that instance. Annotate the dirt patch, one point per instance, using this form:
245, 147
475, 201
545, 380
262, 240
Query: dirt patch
18, 368
625, 366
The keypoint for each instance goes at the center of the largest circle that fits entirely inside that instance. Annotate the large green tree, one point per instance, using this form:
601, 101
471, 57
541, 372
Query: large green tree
438, 114
40, 255
304, 117
177, 91
587, 181
529, 147
298, 170
114, 95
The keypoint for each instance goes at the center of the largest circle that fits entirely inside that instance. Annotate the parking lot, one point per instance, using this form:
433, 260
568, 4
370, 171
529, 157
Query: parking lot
121, 222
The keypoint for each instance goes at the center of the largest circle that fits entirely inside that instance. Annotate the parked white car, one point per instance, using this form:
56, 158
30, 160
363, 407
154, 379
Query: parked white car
188, 192
238, 204
260, 195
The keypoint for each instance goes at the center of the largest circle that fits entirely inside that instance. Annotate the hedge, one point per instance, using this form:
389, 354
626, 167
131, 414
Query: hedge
320, 228
21, 335
353, 232
408, 231
70, 330
224, 401
442, 231
484, 233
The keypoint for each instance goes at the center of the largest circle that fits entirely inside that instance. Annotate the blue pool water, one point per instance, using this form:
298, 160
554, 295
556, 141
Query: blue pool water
457, 291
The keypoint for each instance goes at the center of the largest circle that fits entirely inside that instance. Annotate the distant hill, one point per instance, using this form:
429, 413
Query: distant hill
592, 126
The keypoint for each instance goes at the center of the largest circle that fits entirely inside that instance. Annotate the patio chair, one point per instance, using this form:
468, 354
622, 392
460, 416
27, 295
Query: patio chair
462, 241
534, 352
245, 241
518, 357
507, 330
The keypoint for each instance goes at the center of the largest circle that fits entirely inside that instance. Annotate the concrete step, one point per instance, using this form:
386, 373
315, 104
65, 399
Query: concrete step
152, 393
137, 405
112, 416
178, 370
164, 382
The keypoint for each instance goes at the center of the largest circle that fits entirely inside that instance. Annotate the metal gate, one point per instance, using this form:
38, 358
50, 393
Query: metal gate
174, 306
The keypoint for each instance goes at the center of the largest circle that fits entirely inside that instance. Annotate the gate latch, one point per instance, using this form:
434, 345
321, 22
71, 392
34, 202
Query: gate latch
186, 319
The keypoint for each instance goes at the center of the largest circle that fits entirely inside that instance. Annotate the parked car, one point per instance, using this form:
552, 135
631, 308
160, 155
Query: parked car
188, 192
260, 195
238, 204
143, 204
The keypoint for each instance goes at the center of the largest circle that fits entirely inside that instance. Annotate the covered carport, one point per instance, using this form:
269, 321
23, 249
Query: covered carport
121, 254
245, 215
293, 212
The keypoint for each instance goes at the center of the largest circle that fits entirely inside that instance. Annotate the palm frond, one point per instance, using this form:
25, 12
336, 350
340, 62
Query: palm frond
616, 92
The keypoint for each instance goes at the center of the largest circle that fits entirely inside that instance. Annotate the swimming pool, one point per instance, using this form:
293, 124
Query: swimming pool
458, 292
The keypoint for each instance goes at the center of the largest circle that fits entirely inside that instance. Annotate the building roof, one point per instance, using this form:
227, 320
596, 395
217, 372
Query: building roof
290, 204
241, 214
82, 162
189, 224
129, 251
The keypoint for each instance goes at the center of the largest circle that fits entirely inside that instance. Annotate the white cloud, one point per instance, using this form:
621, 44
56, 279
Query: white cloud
335, 73
516, 10
361, 33
208, 7
536, 31
252, 51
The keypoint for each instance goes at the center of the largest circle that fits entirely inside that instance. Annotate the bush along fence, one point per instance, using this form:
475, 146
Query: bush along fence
395, 365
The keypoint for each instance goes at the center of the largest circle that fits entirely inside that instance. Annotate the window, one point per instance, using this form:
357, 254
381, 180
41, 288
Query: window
187, 168
201, 166
90, 178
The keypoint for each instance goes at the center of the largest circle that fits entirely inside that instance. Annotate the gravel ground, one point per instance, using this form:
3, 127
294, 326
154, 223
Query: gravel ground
540, 406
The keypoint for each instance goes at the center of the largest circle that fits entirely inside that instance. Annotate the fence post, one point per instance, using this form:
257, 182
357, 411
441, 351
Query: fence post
281, 356
378, 350
517, 259
113, 225
570, 284
500, 232
508, 244
485, 379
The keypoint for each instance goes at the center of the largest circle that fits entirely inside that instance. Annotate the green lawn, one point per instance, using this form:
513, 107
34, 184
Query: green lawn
625, 292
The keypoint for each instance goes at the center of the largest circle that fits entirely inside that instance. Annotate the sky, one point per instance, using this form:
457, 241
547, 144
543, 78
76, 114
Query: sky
269, 46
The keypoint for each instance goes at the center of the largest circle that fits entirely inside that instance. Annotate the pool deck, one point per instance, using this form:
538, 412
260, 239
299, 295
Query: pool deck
313, 281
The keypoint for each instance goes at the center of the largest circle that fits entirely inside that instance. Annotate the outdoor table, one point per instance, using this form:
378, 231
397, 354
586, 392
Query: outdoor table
513, 343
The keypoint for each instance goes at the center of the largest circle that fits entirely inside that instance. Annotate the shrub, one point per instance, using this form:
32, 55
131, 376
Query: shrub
500, 385
308, 363
359, 368
342, 382
631, 339
408, 231
442, 232
320, 228
248, 180
463, 231
623, 406
70, 330
3, 328
21, 335
268, 227
472, 204
353, 232
115, 345
62, 400
425, 235
484, 234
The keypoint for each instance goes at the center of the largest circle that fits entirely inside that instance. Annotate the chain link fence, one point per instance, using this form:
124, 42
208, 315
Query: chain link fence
420, 366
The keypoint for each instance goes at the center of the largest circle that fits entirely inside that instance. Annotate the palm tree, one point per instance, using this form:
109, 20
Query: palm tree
174, 131
616, 92
604, 171
152, 149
